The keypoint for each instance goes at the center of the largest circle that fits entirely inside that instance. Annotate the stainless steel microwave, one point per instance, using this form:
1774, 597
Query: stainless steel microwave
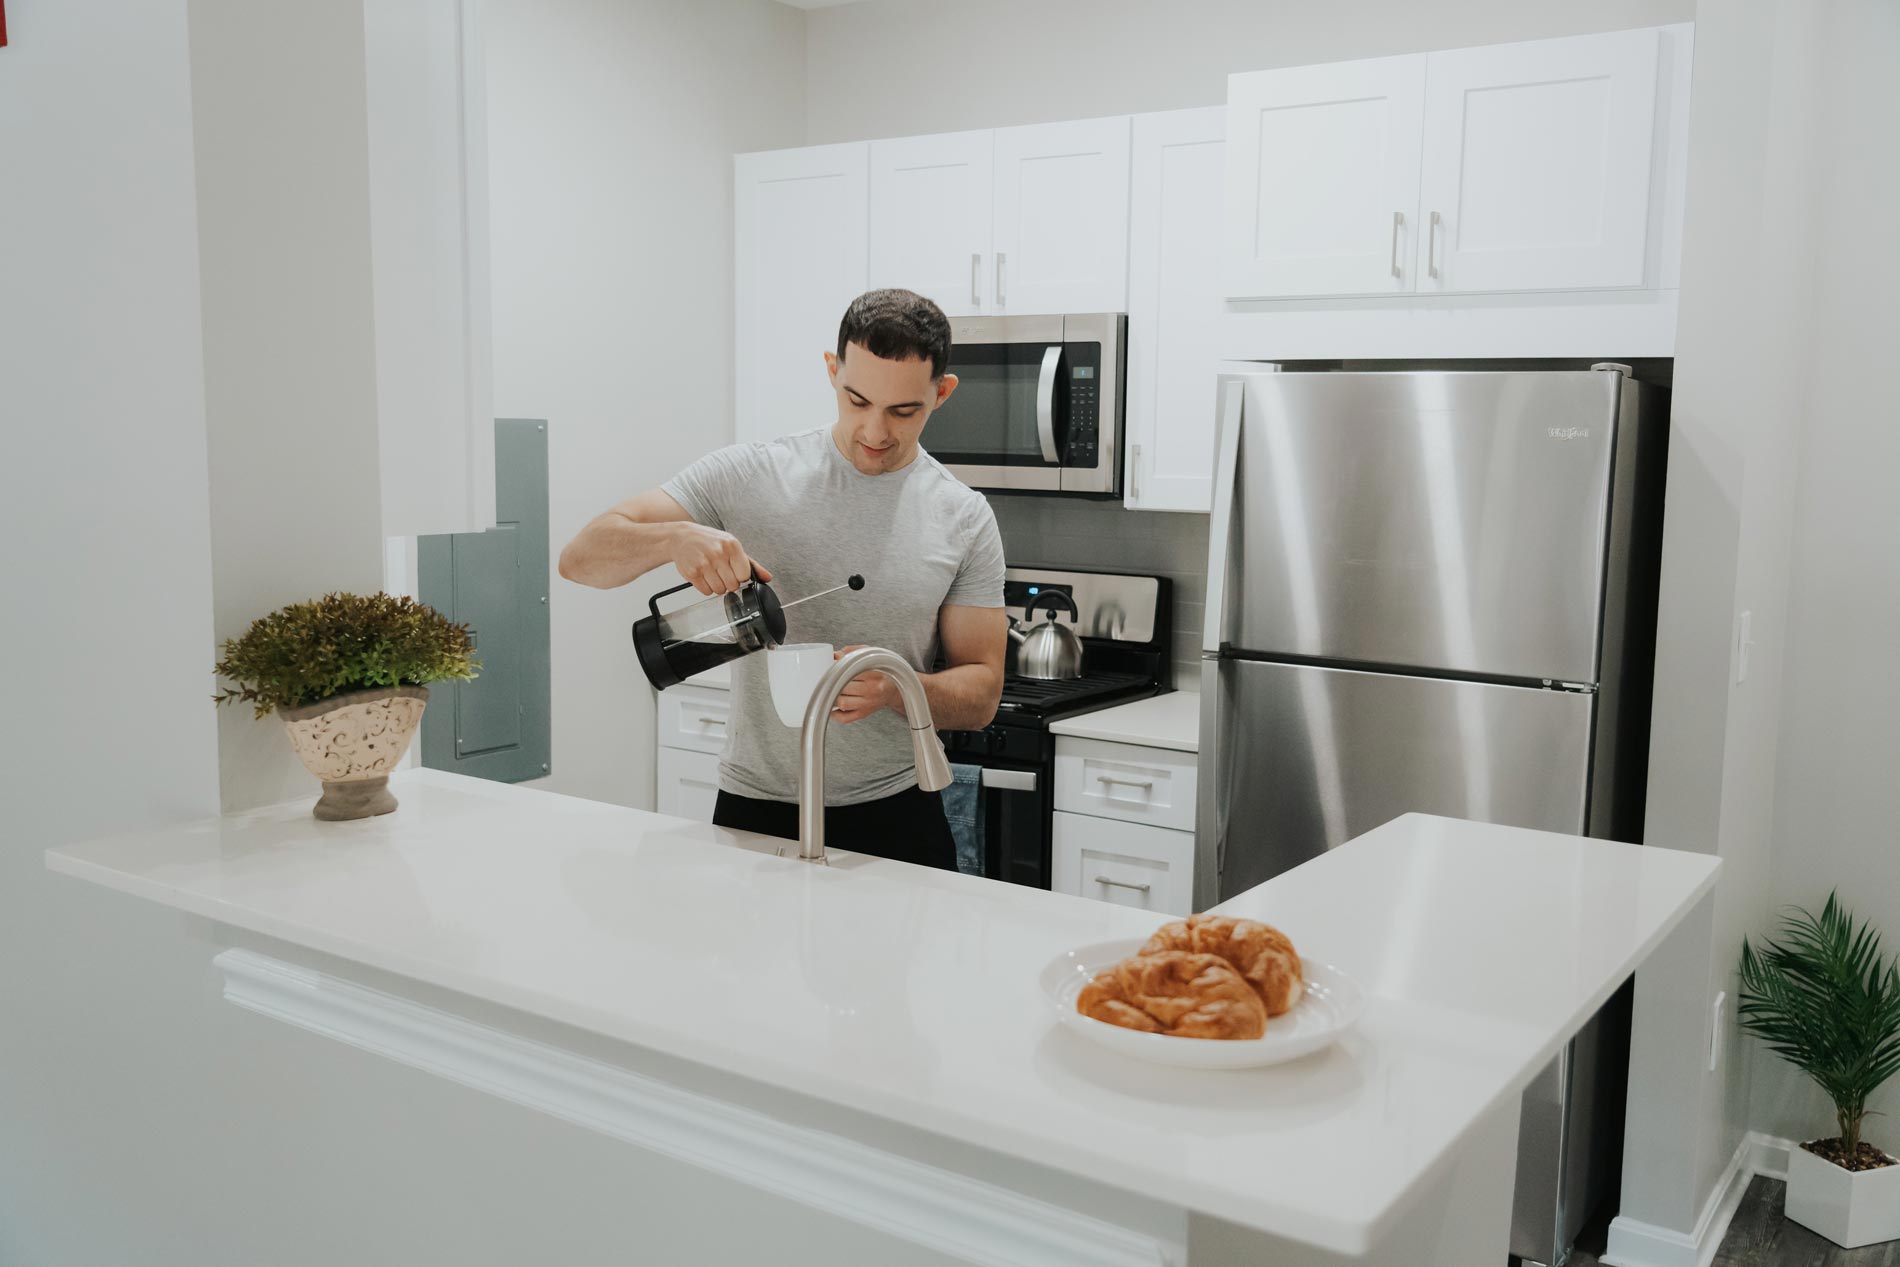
1038, 405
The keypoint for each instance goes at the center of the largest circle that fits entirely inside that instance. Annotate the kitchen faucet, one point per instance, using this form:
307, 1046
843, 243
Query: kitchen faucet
933, 768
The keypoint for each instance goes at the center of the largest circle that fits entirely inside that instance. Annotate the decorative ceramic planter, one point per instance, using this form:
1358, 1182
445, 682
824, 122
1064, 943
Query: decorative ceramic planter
1851, 1208
352, 741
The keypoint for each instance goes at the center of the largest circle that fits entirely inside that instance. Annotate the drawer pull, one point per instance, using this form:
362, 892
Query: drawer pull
1146, 785
712, 721
1121, 884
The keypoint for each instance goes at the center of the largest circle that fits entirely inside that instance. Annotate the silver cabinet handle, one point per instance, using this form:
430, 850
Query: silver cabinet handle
712, 721
1398, 222
1134, 475
1009, 780
1146, 785
999, 278
1046, 402
976, 278
1121, 884
1431, 246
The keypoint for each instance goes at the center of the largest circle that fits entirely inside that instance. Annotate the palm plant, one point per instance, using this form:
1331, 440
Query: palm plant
1825, 999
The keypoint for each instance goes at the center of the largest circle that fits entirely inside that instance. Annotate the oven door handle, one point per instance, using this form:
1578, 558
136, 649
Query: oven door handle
1046, 403
1010, 780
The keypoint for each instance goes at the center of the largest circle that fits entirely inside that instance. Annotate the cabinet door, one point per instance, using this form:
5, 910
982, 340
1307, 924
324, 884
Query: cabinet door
1174, 308
1061, 218
1125, 863
1322, 179
799, 219
688, 784
1536, 163
930, 218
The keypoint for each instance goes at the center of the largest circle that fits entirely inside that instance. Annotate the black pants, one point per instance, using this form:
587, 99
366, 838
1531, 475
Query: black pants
908, 826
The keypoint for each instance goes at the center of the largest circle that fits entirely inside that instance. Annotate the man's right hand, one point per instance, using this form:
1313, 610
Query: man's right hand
713, 561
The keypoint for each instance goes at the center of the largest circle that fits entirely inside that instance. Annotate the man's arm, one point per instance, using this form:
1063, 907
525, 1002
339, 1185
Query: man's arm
646, 531
965, 694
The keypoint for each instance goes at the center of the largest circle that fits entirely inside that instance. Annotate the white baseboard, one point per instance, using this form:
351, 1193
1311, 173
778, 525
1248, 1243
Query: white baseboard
1770, 1155
1637, 1244
964, 1218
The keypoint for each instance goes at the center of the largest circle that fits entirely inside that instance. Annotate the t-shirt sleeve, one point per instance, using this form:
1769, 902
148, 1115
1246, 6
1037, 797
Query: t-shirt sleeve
979, 579
707, 489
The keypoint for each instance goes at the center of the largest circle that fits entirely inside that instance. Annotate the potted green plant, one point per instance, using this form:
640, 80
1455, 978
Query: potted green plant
348, 676
1826, 999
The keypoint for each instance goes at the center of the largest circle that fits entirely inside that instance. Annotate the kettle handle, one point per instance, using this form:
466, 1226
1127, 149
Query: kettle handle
1047, 596
653, 604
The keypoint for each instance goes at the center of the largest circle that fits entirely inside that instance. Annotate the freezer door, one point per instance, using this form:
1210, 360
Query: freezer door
1446, 521
1305, 758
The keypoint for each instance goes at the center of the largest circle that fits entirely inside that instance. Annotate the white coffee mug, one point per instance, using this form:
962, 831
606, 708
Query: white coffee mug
794, 671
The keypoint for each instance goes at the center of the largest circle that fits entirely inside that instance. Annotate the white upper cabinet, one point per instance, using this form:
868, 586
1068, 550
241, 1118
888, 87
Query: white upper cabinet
429, 263
930, 218
1174, 308
1060, 226
1514, 167
800, 224
1322, 178
1536, 164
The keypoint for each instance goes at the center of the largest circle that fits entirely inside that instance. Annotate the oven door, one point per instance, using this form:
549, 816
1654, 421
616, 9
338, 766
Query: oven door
1015, 803
1008, 421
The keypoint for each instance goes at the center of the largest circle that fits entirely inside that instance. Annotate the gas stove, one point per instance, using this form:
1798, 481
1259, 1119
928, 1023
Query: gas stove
1123, 622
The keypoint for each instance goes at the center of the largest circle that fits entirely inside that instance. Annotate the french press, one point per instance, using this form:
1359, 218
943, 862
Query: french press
674, 646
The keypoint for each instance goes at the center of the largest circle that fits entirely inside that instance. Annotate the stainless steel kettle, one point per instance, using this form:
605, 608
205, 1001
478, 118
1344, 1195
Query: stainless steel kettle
1049, 651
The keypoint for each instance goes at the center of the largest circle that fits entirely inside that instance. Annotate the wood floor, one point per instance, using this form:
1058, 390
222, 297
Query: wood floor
1760, 1237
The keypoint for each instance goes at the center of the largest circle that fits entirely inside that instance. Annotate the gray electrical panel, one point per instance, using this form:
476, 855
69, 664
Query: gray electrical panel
497, 726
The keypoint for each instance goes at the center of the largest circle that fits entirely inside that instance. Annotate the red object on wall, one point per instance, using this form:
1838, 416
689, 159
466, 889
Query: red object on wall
3, 23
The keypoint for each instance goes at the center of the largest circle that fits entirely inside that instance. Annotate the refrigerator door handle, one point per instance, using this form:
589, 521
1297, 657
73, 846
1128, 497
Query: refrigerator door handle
1220, 528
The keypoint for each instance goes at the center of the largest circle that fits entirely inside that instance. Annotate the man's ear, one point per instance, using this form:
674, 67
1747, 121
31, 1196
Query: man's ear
832, 366
946, 385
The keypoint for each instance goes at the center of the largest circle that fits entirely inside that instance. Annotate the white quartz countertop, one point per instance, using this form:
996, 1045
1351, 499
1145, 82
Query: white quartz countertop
912, 994
1160, 721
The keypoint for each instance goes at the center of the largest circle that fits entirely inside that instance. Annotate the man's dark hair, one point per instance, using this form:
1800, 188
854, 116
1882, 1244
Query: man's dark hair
897, 325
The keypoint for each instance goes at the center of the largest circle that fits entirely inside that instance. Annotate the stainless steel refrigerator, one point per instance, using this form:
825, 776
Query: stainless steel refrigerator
1435, 591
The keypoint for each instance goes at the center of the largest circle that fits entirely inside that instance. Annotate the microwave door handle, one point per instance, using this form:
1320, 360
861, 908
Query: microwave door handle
1046, 404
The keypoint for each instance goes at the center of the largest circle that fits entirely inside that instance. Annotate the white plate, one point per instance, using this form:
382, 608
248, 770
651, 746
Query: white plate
1331, 1005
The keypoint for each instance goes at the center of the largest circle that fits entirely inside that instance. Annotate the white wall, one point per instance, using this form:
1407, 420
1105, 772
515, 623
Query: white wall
289, 333
903, 67
1834, 811
612, 126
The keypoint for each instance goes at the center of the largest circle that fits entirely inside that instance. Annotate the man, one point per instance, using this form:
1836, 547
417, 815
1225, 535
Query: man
807, 511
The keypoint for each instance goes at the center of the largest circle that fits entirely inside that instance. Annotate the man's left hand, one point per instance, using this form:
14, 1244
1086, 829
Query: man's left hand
865, 694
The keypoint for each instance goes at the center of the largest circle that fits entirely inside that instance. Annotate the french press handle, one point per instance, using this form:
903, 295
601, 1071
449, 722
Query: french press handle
653, 604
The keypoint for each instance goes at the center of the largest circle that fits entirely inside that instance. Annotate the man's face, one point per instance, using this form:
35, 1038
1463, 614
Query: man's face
882, 407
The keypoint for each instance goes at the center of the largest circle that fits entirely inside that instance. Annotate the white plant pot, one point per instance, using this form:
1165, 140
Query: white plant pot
1851, 1208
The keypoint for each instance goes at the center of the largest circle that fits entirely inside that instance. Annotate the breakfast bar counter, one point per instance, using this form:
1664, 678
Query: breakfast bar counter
870, 1037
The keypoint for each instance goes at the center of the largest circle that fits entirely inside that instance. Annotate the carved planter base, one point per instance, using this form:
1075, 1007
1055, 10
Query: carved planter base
351, 742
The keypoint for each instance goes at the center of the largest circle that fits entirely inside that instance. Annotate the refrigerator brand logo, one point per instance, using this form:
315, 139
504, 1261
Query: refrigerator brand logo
1568, 433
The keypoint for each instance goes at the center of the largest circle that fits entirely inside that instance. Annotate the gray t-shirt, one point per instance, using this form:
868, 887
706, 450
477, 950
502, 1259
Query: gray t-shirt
921, 540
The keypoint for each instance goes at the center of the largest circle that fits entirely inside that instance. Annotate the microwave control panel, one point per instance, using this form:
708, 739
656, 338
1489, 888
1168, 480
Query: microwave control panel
1084, 362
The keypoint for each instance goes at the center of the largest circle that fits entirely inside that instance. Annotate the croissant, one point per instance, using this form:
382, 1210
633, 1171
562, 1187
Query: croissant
1259, 952
1187, 996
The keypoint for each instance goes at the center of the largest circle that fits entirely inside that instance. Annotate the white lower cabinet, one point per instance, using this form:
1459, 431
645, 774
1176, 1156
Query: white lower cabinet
688, 784
1126, 863
690, 733
1124, 824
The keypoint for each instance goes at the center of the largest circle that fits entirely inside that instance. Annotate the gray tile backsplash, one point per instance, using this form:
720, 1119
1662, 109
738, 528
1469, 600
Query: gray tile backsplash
1101, 536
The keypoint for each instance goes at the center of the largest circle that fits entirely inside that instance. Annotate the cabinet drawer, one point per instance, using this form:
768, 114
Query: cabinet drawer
1118, 780
1151, 868
694, 718
688, 784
